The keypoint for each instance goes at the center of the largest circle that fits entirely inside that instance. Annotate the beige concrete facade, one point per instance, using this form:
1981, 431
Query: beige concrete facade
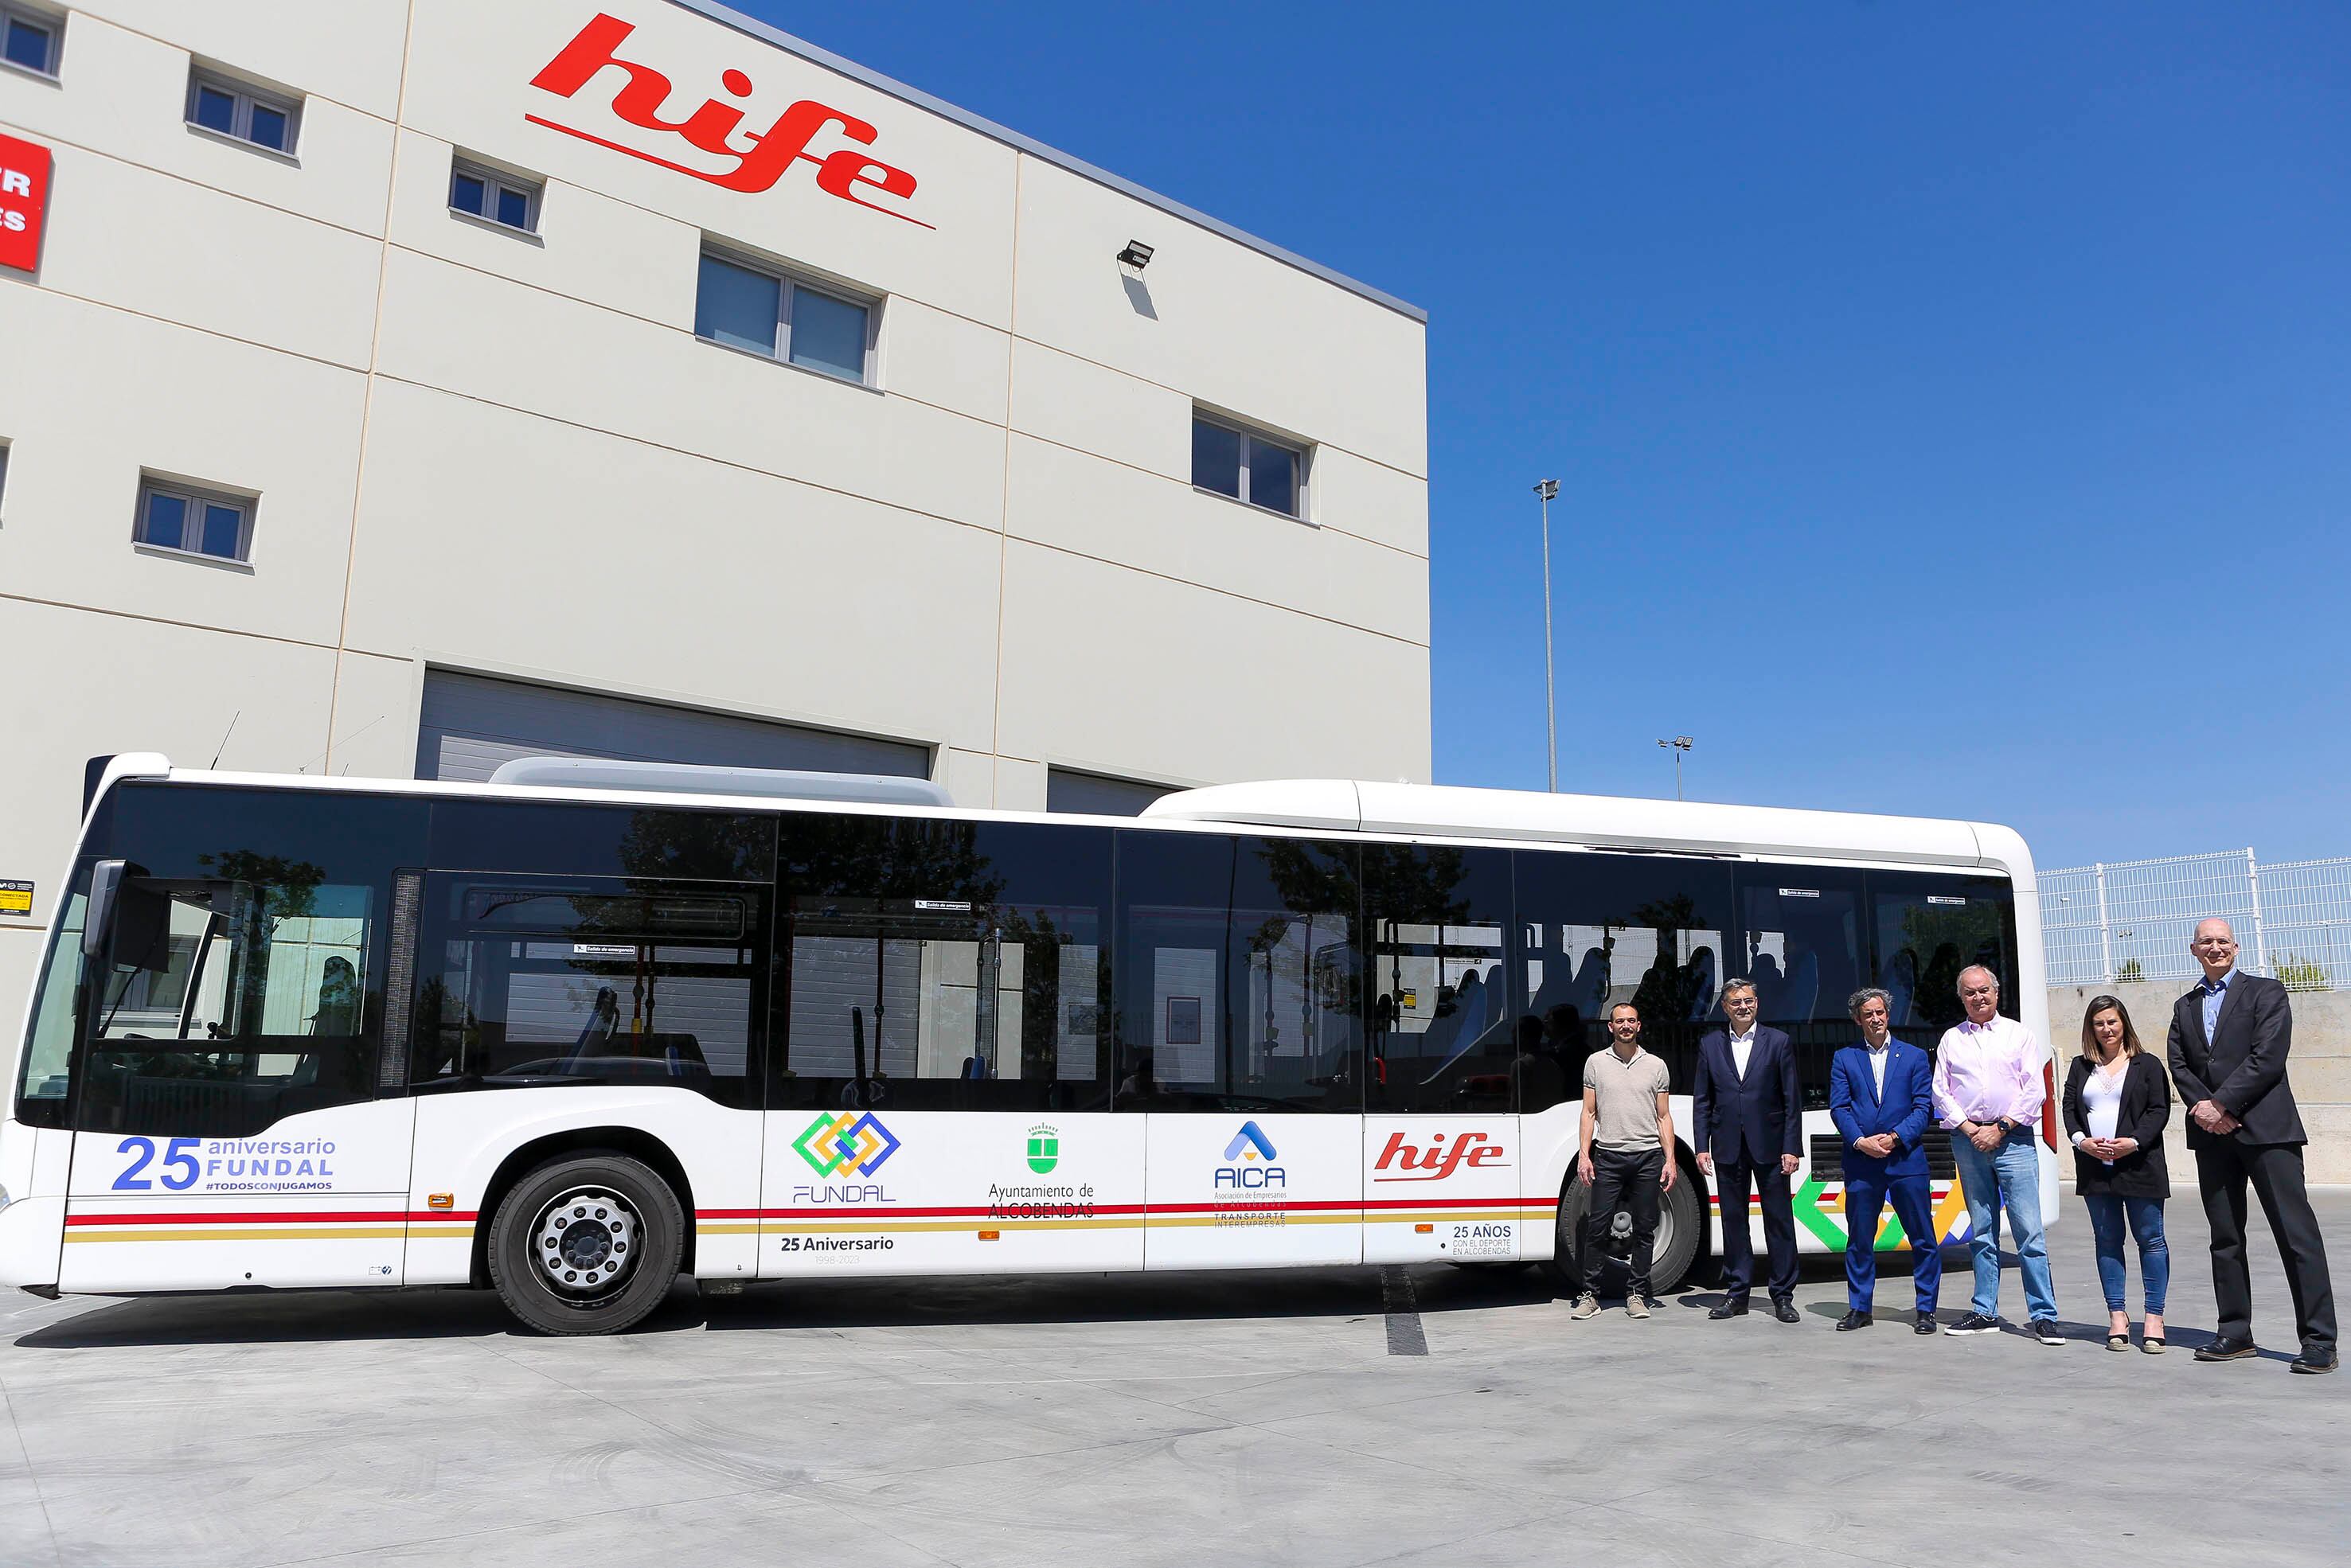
2319, 1068
510, 453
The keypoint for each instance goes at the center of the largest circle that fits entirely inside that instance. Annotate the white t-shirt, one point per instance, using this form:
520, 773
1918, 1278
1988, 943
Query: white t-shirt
2102, 1101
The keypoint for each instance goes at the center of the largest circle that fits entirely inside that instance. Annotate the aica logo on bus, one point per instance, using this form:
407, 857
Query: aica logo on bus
1249, 1161
755, 160
847, 1145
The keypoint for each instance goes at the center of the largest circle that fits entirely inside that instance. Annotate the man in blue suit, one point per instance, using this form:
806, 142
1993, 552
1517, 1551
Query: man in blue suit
1881, 1096
1749, 1131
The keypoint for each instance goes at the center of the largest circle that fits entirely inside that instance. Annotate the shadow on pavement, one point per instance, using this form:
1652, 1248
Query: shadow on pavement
330, 1316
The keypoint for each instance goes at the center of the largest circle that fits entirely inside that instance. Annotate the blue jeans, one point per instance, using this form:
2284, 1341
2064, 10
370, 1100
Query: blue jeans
2008, 1178
2145, 1215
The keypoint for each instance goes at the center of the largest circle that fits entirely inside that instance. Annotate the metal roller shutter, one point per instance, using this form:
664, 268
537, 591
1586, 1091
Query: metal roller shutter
471, 724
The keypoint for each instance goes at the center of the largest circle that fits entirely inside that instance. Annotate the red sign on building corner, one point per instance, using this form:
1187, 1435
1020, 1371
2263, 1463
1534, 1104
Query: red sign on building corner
23, 198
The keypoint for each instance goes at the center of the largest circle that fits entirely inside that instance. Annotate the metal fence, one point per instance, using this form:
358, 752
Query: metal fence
2130, 920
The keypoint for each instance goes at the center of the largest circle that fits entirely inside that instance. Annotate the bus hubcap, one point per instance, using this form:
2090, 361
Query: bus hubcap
586, 1241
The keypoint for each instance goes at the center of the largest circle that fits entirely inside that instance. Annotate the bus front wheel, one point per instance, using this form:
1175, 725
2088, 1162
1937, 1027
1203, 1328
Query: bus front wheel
1681, 1229
585, 1244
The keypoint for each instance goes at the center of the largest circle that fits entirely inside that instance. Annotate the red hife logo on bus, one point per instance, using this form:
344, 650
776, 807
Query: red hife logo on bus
748, 160
24, 197
1439, 1159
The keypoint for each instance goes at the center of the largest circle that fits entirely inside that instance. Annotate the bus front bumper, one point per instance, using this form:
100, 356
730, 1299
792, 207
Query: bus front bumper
32, 1234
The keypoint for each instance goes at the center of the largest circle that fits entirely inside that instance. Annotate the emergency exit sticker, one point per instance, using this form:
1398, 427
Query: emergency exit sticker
23, 198
16, 898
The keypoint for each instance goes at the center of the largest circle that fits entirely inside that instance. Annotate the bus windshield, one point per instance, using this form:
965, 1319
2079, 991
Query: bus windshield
221, 1005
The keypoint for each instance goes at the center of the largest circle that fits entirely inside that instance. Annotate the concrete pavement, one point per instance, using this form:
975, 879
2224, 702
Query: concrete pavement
1252, 1418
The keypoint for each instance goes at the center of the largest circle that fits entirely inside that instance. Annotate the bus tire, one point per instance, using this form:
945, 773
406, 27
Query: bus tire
585, 1244
1681, 1233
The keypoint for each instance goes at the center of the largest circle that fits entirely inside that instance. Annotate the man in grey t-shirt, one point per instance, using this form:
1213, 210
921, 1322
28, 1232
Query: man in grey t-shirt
1628, 1153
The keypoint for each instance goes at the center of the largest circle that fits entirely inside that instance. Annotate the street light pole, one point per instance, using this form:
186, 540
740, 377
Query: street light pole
1677, 745
1547, 489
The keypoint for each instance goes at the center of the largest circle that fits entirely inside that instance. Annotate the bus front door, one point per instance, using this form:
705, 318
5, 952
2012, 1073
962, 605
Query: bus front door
228, 1129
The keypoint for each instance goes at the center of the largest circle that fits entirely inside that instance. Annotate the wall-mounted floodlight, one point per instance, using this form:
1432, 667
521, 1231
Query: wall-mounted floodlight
1137, 255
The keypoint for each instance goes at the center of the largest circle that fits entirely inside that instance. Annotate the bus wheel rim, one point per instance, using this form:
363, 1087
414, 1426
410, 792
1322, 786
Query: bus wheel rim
586, 1242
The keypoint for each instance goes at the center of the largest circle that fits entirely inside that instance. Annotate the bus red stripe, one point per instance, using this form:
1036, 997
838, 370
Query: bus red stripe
273, 1217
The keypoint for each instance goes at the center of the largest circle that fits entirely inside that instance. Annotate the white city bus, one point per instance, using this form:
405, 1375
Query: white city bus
568, 1042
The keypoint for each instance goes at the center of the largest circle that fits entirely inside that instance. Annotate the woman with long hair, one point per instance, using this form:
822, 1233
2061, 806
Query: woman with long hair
2117, 1098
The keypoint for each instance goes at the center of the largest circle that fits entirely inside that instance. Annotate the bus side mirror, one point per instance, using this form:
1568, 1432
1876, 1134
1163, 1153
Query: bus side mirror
105, 890
137, 919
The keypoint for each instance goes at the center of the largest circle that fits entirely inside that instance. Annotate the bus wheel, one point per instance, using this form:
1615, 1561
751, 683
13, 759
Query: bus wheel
1681, 1227
587, 1244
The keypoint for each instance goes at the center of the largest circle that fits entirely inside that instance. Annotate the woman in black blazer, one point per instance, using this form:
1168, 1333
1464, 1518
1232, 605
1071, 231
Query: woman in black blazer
2118, 1099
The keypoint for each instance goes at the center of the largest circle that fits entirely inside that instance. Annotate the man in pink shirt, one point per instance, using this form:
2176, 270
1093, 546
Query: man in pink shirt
1987, 1090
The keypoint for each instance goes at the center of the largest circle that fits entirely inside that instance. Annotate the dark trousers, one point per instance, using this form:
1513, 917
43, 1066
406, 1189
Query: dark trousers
1731, 1184
1623, 1179
2275, 1172
1914, 1206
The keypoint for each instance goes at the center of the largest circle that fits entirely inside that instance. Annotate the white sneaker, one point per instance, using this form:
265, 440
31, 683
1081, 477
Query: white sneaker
1587, 1305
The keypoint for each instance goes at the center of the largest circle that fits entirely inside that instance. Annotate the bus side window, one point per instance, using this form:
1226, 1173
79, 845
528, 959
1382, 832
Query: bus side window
1595, 931
1238, 974
1802, 945
942, 966
616, 981
1449, 1028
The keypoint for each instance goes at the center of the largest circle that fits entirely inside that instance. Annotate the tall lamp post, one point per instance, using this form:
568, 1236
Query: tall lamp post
1547, 489
1677, 745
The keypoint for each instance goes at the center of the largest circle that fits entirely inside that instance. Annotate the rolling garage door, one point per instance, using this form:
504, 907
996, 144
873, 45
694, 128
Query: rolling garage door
471, 724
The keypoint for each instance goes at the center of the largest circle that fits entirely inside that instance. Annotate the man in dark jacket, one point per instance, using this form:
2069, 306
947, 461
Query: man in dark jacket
2228, 1042
1750, 1134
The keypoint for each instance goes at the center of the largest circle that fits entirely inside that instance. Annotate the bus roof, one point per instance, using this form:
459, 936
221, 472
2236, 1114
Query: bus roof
1695, 827
1339, 806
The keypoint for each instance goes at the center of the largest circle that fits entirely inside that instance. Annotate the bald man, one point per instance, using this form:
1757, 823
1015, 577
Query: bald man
2230, 1037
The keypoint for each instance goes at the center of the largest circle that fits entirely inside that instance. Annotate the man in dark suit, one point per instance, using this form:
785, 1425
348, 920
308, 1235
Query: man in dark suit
2228, 1042
1881, 1096
1750, 1134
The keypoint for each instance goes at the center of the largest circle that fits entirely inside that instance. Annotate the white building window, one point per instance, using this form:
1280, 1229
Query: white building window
31, 41
1252, 468
242, 113
763, 312
506, 200
176, 516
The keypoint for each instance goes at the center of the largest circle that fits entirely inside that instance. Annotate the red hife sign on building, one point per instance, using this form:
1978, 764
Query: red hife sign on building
23, 198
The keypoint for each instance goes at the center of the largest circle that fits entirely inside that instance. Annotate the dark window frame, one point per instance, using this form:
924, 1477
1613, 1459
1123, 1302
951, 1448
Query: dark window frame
789, 286
196, 498
13, 16
1251, 439
245, 98
495, 183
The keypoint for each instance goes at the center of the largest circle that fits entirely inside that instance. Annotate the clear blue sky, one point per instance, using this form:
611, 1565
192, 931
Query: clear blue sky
1952, 402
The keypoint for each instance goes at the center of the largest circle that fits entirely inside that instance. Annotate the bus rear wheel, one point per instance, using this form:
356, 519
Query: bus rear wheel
585, 1244
1681, 1229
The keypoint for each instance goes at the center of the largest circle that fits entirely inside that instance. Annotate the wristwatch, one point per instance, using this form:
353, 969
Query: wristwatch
2006, 1127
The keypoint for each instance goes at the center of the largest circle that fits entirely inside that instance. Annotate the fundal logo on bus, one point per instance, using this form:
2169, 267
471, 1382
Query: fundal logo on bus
755, 160
846, 1144
1249, 1161
1409, 1162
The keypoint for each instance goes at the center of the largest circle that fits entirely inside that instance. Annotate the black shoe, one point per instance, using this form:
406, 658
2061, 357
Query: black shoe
1974, 1322
1926, 1324
2044, 1332
1785, 1311
1732, 1309
2227, 1348
1852, 1320
2315, 1358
